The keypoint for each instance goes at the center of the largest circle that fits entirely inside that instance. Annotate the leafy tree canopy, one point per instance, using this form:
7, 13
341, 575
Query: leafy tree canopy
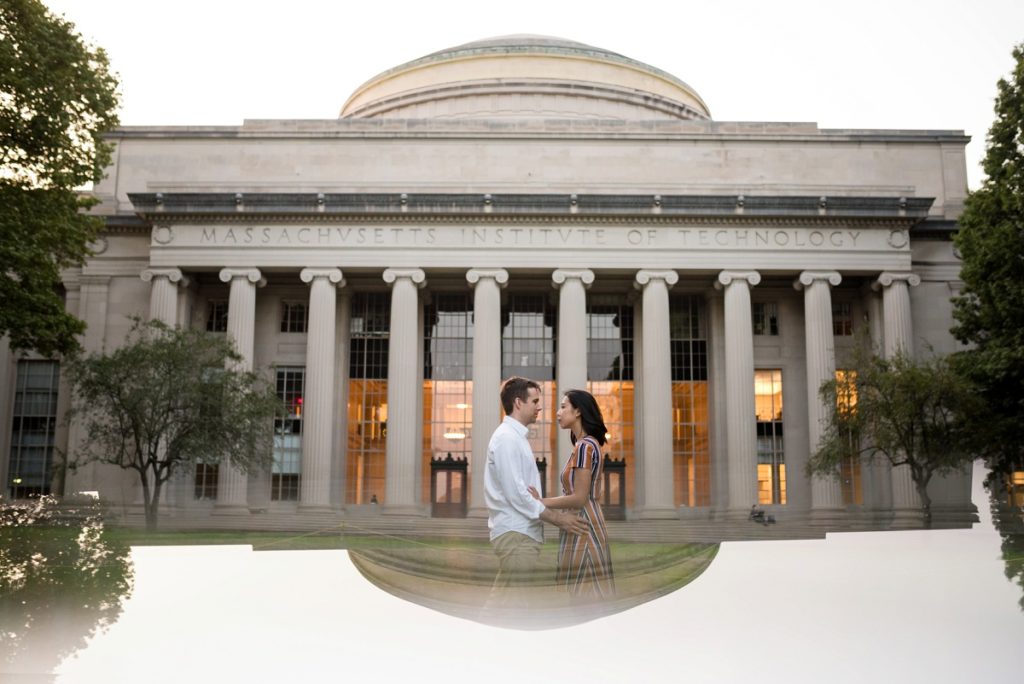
910, 412
57, 98
168, 399
990, 311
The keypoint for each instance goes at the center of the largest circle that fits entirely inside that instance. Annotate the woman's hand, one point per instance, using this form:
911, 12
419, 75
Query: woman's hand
533, 492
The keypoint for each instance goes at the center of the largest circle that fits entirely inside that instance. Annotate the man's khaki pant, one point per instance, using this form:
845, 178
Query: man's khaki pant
518, 556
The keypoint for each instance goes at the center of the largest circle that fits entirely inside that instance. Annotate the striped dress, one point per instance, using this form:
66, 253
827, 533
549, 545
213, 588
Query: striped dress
585, 561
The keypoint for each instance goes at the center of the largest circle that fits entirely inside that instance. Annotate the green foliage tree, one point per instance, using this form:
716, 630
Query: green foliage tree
168, 399
990, 311
909, 412
57, 98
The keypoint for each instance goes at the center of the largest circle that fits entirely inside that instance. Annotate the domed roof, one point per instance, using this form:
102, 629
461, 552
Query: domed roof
525, 76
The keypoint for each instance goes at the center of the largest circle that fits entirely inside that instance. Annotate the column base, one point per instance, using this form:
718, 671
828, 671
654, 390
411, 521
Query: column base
478, 512
656, 513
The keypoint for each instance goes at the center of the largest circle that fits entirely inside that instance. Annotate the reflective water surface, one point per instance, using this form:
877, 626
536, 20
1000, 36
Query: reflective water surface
937, 606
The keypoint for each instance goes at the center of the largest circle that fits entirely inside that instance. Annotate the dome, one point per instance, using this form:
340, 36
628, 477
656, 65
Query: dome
525, 77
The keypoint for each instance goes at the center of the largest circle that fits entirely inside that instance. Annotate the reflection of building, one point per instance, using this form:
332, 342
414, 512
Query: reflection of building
531, 206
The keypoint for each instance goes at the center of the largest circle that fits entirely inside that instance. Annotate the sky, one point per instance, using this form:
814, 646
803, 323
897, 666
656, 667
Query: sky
871, 64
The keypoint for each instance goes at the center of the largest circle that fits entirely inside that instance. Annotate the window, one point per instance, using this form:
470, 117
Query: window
367, 410
205, 481
33, 430
294, 317
610, 380
609, 339
849, 467
287, 464
766, 318
528, 349
447, 389
689, 357
528, 337
842, 319
217, 321
771, 466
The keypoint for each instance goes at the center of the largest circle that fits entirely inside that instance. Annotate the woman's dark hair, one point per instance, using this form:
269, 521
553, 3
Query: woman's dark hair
590, 415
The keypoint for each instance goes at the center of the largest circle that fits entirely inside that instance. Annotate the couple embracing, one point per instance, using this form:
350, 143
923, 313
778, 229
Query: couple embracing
517, 510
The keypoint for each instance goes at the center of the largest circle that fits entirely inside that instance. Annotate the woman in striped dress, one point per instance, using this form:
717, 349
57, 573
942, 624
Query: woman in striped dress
584, 561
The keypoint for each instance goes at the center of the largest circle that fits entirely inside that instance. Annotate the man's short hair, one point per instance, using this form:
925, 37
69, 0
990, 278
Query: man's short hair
516, 388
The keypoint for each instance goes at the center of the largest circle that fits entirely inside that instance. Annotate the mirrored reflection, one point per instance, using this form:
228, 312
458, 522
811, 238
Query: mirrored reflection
64, 577
457, 579
1006, 497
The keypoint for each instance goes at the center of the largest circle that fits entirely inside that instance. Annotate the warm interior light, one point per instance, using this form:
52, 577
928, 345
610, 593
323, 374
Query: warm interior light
454, 434
462, 406
1017, 478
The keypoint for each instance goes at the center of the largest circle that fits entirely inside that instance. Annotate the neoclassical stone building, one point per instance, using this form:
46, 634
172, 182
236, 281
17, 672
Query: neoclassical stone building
520, 205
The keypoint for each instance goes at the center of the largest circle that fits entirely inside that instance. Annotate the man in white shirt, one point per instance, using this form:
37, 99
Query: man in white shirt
515, 516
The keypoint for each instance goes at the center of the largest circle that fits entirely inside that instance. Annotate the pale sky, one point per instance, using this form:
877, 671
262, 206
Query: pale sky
871, 64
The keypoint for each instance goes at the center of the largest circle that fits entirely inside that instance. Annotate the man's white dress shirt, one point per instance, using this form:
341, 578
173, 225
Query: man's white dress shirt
510, 469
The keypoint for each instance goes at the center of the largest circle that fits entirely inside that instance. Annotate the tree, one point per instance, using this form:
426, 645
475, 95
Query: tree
57, 98
168, 399
909, 412
990, 311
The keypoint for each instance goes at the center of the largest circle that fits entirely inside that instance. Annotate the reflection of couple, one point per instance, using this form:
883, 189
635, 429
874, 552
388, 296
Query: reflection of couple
512, 490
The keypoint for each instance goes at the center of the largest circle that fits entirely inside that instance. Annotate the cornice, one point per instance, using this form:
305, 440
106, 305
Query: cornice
654, 209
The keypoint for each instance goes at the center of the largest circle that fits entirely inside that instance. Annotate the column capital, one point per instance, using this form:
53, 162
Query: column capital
726, 278
71, 279
807, 278
645, 276
416, 275
253, 275
499, 275
561, 275
333, 275
172, 274
887, 278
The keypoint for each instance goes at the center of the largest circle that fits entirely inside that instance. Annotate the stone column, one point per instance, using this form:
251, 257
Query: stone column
826, 491
487, 412
72, 296
318, 390
571, 365
403, 453
342, 339
656, 420
897, 327
636, 299
163, 293
898, 333
739, 389
232, 483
